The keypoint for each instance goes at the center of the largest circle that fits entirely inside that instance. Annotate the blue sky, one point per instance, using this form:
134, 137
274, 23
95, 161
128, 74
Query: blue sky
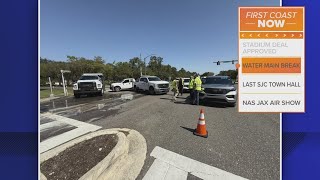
186, 33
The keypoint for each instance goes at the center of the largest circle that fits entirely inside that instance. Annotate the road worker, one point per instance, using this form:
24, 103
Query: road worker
191, 88
197, 89
175, 89
180, 86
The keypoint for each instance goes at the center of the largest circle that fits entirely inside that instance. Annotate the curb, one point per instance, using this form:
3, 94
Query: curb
125, 161
48, 99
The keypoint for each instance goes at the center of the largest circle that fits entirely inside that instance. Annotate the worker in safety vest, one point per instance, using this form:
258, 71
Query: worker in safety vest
191, 88
197, 89
175, 89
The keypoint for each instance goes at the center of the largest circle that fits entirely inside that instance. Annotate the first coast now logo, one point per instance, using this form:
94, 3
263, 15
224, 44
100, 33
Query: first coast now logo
271, 19
257, 19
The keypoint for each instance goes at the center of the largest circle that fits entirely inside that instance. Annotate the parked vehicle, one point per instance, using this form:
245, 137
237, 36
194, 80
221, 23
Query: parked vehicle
152, 85
89, 83
219, 89
125, 84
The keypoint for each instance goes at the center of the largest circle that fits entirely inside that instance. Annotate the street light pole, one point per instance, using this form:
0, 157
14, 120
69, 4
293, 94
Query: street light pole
145, 66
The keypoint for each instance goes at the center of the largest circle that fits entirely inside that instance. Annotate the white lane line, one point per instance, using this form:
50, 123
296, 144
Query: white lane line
194, 167
64, 137
68, 120
157, 171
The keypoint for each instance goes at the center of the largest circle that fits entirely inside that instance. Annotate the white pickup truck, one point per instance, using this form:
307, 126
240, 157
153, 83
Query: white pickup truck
152, 85
89, 83
125, 84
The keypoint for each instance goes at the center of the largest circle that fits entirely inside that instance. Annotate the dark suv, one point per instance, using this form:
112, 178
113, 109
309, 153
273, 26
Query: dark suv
219, 89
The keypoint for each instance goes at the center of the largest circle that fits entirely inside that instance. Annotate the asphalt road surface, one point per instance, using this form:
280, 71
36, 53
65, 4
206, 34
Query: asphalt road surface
247, 145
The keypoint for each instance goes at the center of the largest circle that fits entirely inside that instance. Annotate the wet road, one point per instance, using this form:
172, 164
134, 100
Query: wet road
85, 109
82, 108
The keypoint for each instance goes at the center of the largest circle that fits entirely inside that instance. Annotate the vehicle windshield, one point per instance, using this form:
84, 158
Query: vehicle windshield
89, 77
154, 79
186, 80
217, 80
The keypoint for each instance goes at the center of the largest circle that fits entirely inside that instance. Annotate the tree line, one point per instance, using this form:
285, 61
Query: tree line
114, 71
232, 73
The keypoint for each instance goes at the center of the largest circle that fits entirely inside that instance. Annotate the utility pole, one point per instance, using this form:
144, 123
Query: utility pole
145, 66
140, 66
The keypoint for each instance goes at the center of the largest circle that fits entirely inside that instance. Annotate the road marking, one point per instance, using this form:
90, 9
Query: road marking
66, 120
170, 165
46, 126
158, 170
94, 119
82, 128
175, 173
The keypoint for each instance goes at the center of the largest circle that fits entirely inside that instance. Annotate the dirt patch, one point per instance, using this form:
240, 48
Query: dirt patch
75, 161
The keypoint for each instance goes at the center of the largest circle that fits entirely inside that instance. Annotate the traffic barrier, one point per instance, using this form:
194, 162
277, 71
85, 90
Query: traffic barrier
201, 127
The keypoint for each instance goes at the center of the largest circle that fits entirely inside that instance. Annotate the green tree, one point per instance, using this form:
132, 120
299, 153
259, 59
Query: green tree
231, 73
208, 74
113, 71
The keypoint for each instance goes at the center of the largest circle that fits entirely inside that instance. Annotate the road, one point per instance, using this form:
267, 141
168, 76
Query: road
247, 145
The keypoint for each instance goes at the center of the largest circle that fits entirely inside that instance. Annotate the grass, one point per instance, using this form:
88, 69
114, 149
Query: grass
45, 93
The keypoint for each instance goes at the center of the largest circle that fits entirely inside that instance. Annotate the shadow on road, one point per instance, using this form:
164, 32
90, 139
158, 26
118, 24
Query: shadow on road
167, 98
182, 102
179, 97
187, 100
213, 104
189, 129
178, 102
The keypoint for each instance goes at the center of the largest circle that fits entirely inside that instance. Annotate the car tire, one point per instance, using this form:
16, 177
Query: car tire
101, 93
151, 90
232, 104
117, 88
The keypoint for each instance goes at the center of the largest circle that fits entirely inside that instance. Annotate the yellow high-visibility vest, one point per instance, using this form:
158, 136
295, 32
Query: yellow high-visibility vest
191, 83
198, 83
174, 84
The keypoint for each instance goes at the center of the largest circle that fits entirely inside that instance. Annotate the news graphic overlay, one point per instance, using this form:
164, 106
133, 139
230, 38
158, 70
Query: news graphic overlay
271, 59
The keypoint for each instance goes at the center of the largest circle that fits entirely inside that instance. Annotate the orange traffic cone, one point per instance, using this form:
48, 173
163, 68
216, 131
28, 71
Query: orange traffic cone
201, 128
